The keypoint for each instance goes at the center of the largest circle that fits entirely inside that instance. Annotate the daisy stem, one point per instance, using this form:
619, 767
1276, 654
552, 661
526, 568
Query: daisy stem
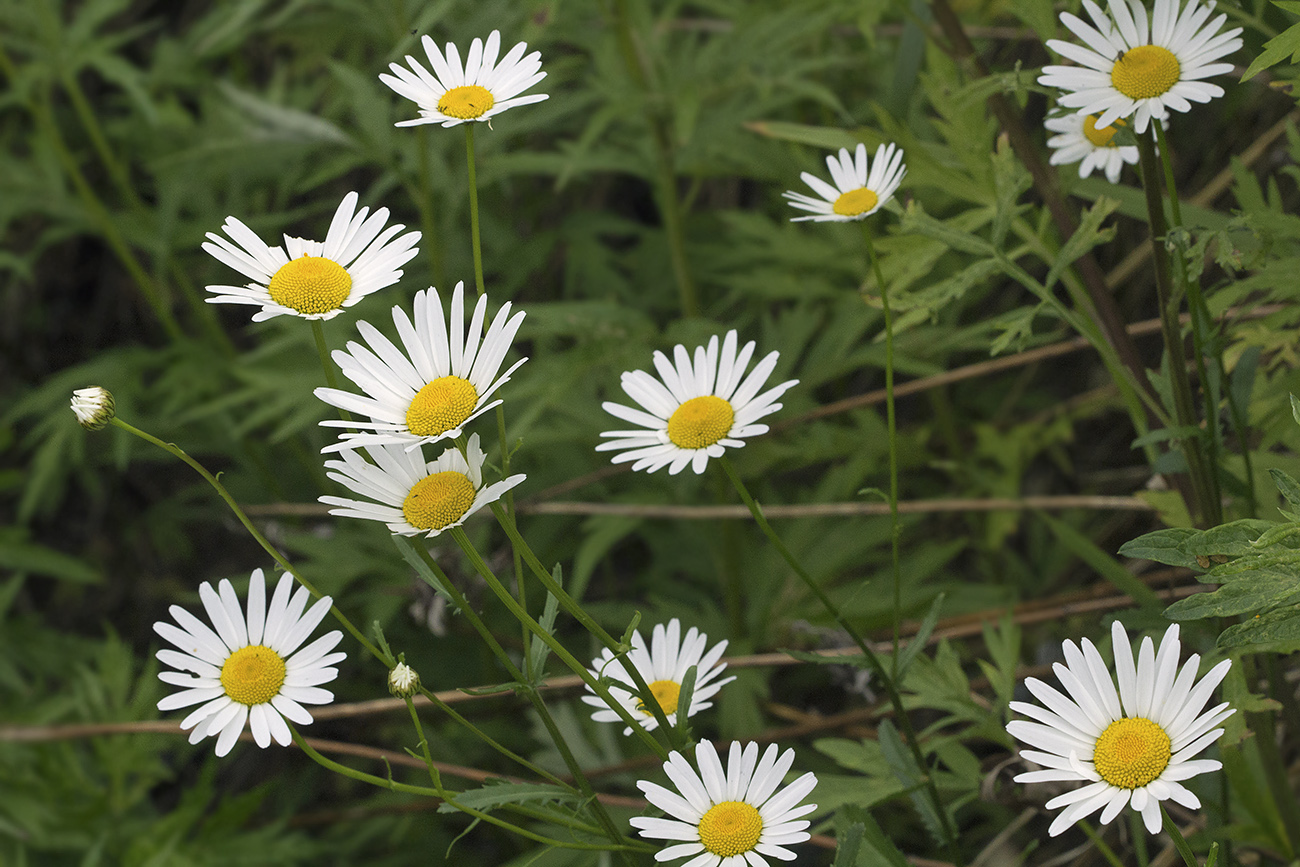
1180, 842
1102, 849
877, 668
891, 422
424, 743
212, 480
326, 363
473, 209
526, 637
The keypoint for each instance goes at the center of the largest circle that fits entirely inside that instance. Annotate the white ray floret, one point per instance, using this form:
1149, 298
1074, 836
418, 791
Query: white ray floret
856, 193
1079, 140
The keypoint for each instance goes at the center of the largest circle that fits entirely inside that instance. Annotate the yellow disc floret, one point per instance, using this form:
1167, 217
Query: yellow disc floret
253, 675
1131, 752
700, 422
466, 102
311, 284
438, 500
1145, 71
855, 202
441, 406
1102, 138
730, 828
665, 693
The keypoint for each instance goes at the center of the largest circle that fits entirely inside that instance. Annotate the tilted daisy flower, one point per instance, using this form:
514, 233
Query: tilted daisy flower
1079, 140
730, 816
443, 380
313, 279
413, 497
856, 194
480, 90
93, 407
1131, 69
248, 669
663, 666
1134, 747
694, 411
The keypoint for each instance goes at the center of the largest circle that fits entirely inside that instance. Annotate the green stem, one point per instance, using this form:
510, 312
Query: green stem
873, 661
473, 209
1102, 849
1180, 842
516, 561
326, 363
424, 743
177, 451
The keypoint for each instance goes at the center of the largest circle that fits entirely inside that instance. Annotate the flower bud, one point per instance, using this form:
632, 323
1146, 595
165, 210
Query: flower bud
93, 407
403, 682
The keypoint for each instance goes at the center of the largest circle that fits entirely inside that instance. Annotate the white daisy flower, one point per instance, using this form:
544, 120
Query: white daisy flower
1130, 68
313, 279
248, 669
479, 91
856, 194
1134, 747
730, 816
663, 666
1079, 140
695, 412
442, 381
414, 497
93, 407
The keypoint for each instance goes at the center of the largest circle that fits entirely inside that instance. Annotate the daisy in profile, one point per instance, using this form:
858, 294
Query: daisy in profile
1079, 140
313, 279
693, 412
663, 666
415, 498
248, 669
443, 380
731, 816
1133, 747
479, 90
857, 193
1131, 69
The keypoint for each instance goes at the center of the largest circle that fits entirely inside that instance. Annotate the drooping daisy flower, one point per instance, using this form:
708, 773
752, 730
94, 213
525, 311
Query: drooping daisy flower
695, 411
414, 497
93, 407
479, 91
1129, 68
663, 666
1134, 747
248, 669
444, 379
1080, 141
313, 279
856, 194
730, 816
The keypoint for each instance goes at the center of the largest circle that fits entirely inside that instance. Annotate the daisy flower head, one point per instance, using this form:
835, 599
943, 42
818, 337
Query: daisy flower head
729, 816
428, 393
1079, 140
313, 279
1130, 67
1133, 747
478, 91
248, 668
693, 411
413, 497
857, 193
93, 407
663, 666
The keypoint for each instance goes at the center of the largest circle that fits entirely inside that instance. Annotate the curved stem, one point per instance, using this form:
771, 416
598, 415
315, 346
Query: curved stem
1180, 842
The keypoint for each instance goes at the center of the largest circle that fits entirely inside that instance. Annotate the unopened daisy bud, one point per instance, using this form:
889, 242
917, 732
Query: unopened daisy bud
403, 681
93, 407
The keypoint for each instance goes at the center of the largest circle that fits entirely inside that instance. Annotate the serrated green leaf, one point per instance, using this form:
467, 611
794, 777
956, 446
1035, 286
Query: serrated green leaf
1286, 485
1088, 235
496, 793
1271, 628
1228, 540
846, 853
1163, 546
918, 641
1285, 44
915, 219
903, 764
1247, 591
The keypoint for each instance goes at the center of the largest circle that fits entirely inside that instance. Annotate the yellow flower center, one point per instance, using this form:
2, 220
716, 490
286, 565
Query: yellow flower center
1100, 137
440, 406
253, 675
700, 422
665, 693
438, 500
1145, 71
730, 828
311, 284
466, 102
1131, 752
855, 202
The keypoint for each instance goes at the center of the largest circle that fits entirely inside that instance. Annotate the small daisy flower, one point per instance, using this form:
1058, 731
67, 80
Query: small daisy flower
248, 669
1079, 140
313, 279
413, 497
403, 681
1130, 68
695, 411
663, 666
479, 91
1134, 747
856, 194
442, 381
733, 816
93, 407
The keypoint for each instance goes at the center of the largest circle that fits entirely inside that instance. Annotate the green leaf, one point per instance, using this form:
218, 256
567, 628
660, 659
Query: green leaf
1247, 591
918, 642
498, 792
915, 219
1286, 43
1164, 434
1087, 551
1295, 409
1271, 628
1163, 546
846, 853
1228, 540
830, 138
539, 650
903, 764
19, 555
1286, 486
1088, 235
